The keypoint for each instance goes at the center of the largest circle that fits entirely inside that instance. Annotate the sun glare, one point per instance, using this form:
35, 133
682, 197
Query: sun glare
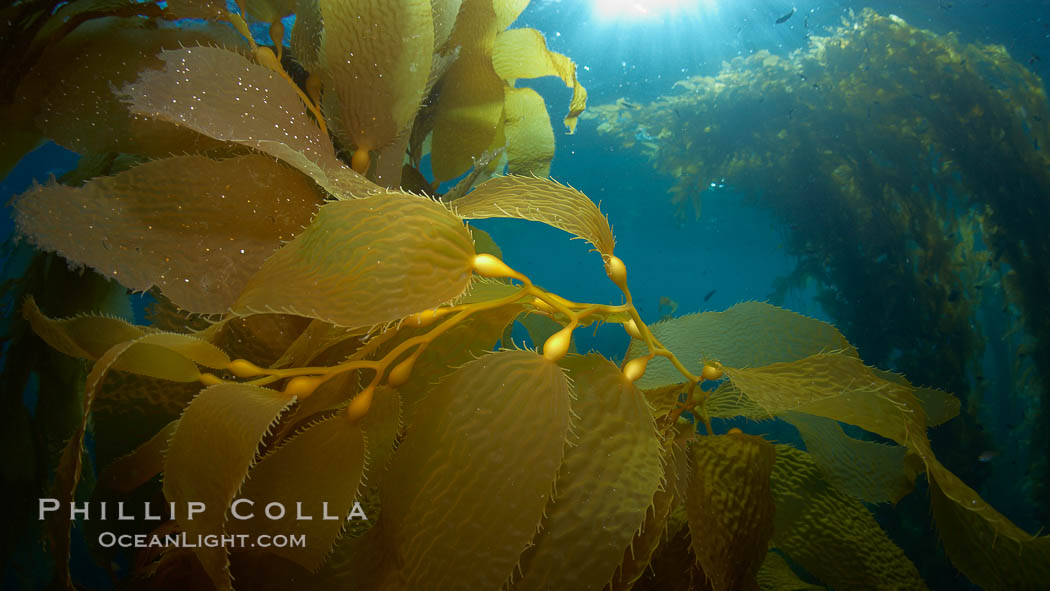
610, 10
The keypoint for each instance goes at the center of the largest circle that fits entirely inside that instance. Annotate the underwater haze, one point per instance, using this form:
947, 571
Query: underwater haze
500, 294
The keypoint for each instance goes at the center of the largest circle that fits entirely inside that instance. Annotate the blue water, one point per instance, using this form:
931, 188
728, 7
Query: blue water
733, 249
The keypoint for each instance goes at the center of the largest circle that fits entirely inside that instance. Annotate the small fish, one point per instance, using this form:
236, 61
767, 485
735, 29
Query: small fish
785, 18
1033, 59
987, 456
709, 294
667, 308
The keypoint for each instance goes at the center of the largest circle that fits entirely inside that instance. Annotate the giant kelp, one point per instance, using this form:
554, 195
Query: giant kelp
348, 355
910, 172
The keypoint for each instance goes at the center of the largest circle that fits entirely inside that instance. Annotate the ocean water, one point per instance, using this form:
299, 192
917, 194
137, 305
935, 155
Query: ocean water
740, 247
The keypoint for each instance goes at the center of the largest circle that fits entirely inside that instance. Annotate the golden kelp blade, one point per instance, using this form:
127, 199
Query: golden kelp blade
466, 490
381, 427
940, 406
483, 289
162, 355
314, 340
749, 334
983, 544
475, 27
376, 57
208, 459
776, 575
87, 337
194, 227
831, 534
540, 200
507, 11
315, 474
725, 402
837, 386
638, 555
153, 353
869, 471
223, 95
530, 139
366, 261
841, 387
605, 484
523, 53
444, 13
74, 88
479, 21
469, 117
730, 507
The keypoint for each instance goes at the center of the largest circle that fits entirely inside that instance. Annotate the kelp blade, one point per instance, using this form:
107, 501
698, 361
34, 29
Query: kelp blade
523, 53
540, 200
605, 485
749, 334
315, 476
232, 418
469, 117
831, 534
366, 261
530, 139
247, 104
194, 227
466, 490
870, 471
376, 58
730, 507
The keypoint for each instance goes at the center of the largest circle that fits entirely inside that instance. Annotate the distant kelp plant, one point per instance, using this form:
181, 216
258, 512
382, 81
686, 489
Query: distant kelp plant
911, 175
328, 343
